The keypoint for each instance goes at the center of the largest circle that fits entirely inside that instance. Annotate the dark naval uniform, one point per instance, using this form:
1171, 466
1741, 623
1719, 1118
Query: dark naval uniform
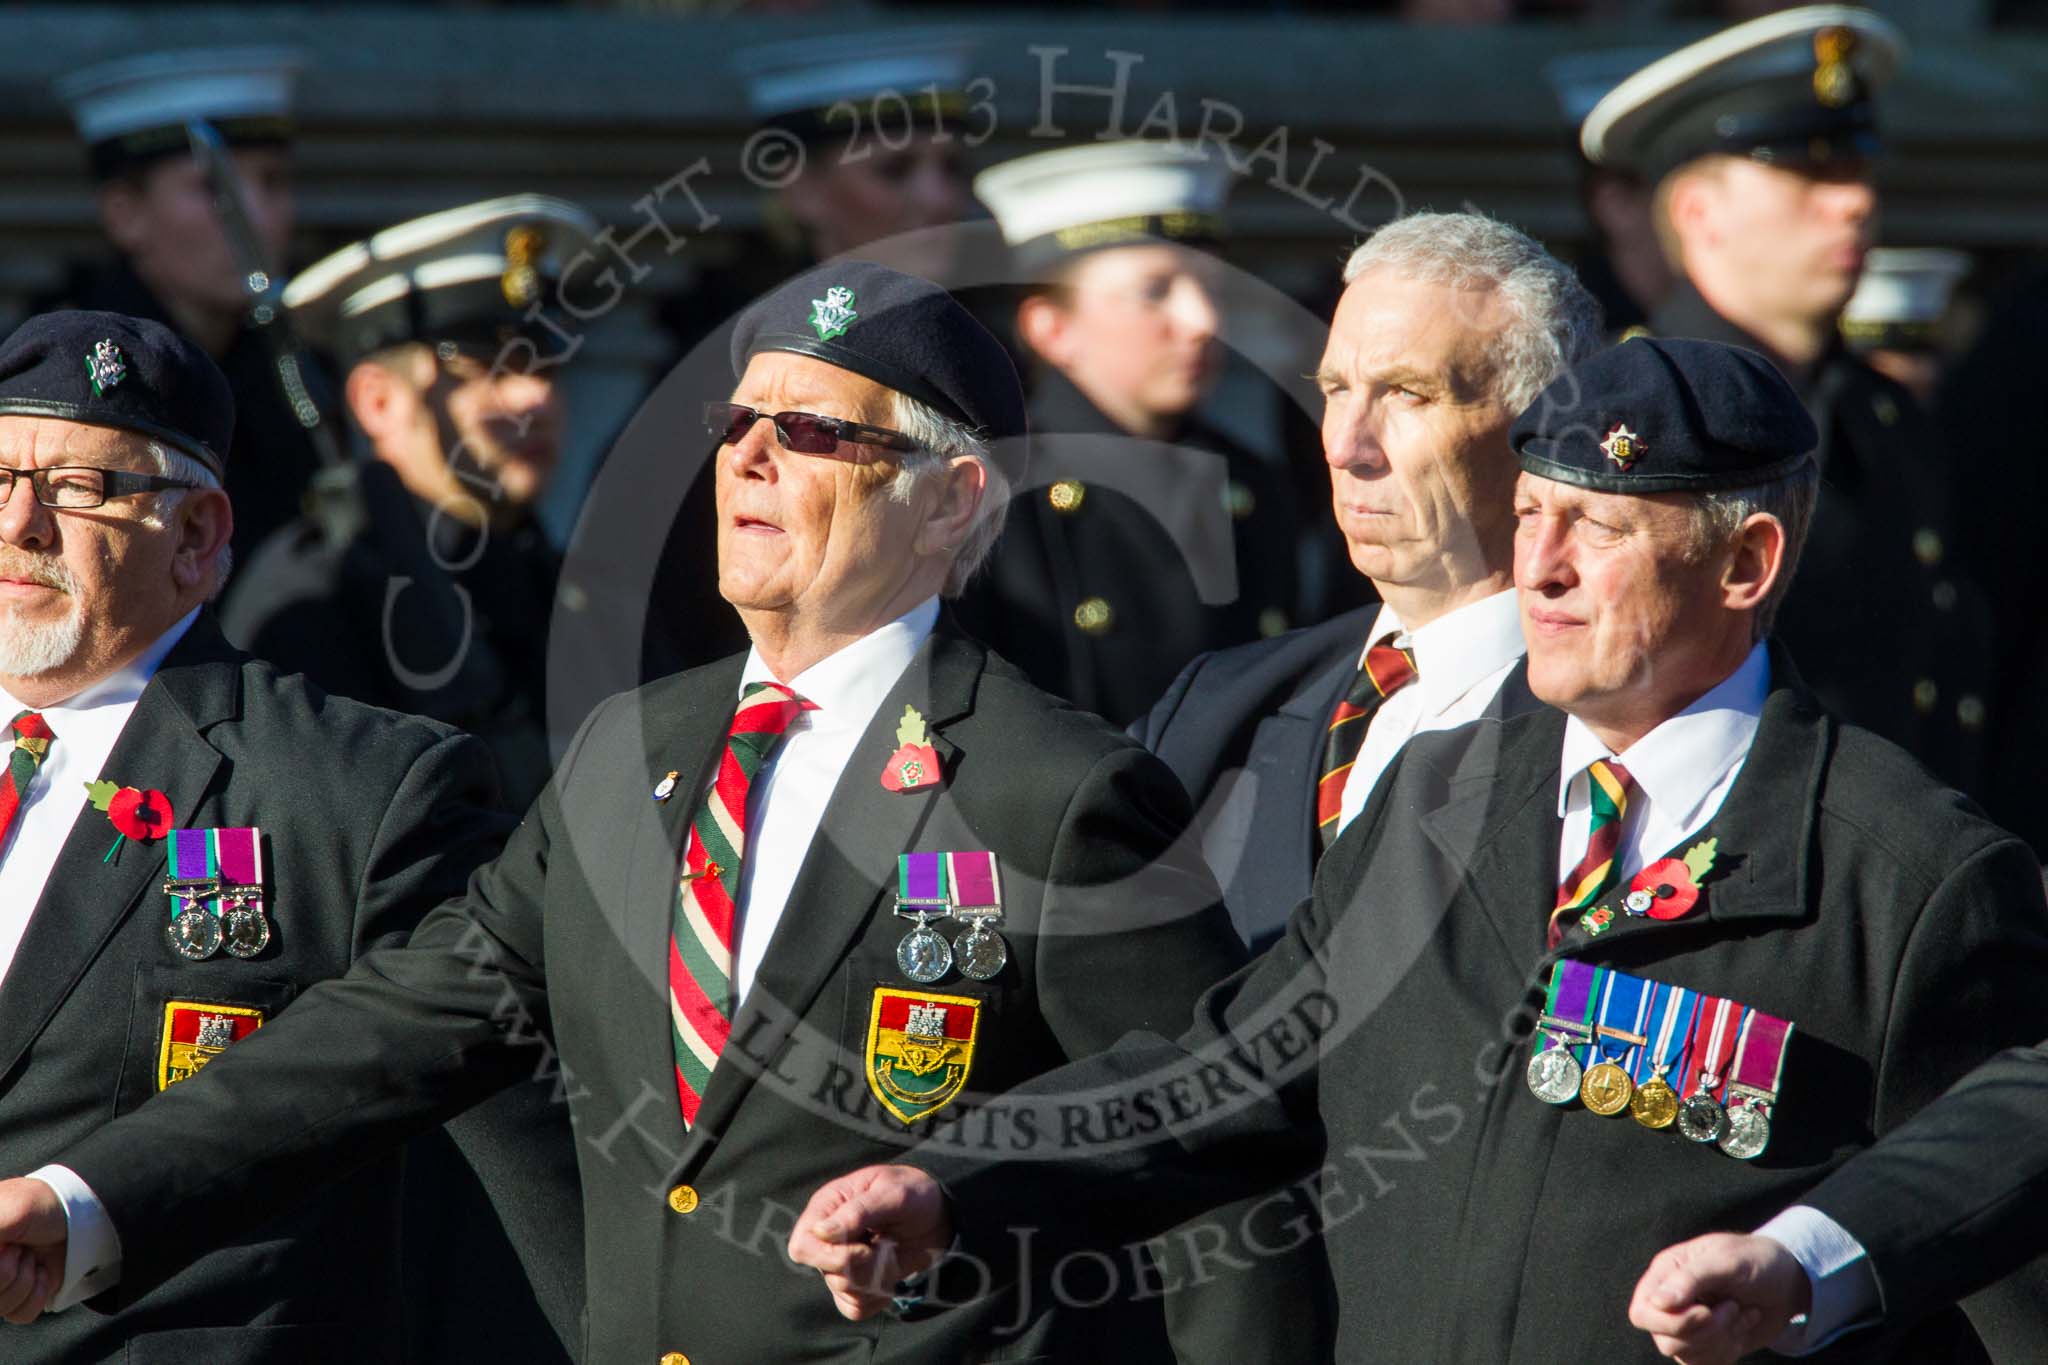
356, 620
1116, 566
272, 459
1888, 629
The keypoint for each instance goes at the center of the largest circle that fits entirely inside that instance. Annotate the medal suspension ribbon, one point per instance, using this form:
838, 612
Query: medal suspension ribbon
1713, 1042
1673, 1038
1760, 1056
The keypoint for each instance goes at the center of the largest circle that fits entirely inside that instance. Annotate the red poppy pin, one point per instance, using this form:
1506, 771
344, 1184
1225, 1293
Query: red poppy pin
139, 814
915, 764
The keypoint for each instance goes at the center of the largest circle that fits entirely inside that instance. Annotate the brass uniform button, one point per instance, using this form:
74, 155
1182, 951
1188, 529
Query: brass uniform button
1272, 621
1094, 616
1970, 712
683, 1199
1886, 410
1925, 695
1239, 500
675, 1358
1927, 546
1066, 496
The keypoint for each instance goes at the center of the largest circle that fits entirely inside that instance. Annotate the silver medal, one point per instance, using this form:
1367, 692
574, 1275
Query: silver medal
1554, 1076
923, 955
981, 952
1749, 1132
195, 933
244, 930
1702, 1119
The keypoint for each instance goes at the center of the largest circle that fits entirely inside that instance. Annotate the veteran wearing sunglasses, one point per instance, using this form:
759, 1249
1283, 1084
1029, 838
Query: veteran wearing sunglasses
294, 831
782, 915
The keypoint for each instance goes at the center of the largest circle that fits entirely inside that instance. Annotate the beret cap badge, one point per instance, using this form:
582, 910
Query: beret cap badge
1623, 446
833, 314
105, 366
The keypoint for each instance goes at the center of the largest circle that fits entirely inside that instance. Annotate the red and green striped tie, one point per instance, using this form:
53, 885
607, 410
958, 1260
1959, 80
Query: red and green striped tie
31, 735
1611, 789
1386, 671
707, 893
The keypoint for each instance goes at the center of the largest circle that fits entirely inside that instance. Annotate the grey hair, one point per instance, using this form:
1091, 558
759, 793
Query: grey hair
176, 464
1553, 321
1716, 517
941, 440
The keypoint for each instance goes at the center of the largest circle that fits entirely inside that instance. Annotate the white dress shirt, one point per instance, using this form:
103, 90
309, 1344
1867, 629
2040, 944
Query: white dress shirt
1683, 771
786, 803
1461, 659
84, 729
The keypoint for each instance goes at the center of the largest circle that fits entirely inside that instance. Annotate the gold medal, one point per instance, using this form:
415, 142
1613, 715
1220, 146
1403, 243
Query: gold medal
1606, 1090
1655, 1104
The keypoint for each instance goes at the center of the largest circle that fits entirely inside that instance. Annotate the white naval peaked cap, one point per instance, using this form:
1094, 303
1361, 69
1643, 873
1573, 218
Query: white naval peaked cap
468, 274
1902, 297
1106, 194
809, 75
162, 89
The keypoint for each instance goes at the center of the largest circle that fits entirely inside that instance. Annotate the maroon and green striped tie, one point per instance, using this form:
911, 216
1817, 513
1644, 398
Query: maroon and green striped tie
1611, 789
31, 736
707, 893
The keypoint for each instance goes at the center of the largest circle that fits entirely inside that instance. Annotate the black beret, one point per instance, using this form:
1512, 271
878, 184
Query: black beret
111, 370
904, 333
1656, 415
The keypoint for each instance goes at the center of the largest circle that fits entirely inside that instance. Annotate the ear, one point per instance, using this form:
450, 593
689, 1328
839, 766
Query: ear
1755, 560
383, 405
121, 214
961, 489
205, 522
1688, 206
1043, 324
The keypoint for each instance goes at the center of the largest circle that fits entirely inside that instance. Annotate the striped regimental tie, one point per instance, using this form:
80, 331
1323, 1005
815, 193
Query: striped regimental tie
1387, 670
707, 893
1611, 789
31, 736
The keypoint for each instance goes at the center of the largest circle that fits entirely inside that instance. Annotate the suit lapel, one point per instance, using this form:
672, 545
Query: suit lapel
848, 870
163, 746
1305, 718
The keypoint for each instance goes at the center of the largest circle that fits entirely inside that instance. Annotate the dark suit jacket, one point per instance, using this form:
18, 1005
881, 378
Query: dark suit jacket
1382, 1041
1111, 924
1952, 1200
368, 818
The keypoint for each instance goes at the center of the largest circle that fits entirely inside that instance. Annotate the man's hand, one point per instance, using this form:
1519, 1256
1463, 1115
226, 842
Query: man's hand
32, 1238
1717, 1298
867, 1231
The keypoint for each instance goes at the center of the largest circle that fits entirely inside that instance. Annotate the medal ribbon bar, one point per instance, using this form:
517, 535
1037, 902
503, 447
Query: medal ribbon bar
195, 871
1760, 1062
238, 854
921, 882
977, 889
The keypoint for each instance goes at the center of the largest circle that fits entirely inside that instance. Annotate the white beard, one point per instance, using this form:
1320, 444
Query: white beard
31, 647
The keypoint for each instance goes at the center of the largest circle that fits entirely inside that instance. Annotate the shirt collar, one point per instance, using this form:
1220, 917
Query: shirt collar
1459, 649
1681, 762
122, 687
848, 685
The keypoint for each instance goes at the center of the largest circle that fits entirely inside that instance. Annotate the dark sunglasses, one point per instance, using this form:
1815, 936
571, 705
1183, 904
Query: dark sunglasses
806, 433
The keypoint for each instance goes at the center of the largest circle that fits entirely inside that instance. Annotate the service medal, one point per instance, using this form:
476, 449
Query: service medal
977, 901
1655, 1104
244, 931
981, 952
1701, 1119
921, 894
195, 934
1749, 1132
1554, 1075
924, 956
1606, 1089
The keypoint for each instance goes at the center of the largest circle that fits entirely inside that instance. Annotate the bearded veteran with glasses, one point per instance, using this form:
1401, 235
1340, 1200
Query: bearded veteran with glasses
784, 914
188, 840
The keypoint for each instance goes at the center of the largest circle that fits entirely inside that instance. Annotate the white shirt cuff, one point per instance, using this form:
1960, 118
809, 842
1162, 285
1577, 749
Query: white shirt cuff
92, 1249
1845, 1291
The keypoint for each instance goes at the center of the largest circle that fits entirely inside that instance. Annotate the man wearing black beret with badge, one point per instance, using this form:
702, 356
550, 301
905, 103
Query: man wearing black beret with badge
1725, 939
781, 915
1762, 142
188, 840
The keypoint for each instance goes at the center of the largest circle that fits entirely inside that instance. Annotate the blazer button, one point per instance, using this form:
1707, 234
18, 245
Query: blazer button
675, 1358
1094, 616
682, 1199
1066, 496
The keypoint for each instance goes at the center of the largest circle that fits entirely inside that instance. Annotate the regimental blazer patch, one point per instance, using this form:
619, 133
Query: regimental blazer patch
919, 1049
195, 1033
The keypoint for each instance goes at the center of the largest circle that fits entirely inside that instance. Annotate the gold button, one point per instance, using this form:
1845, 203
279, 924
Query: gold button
1970, 712
1925, 695
1239, 500
1272, 621
1887, 411
675, 1358
683, 1199
1927, 546
1066, 495
1094, 616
